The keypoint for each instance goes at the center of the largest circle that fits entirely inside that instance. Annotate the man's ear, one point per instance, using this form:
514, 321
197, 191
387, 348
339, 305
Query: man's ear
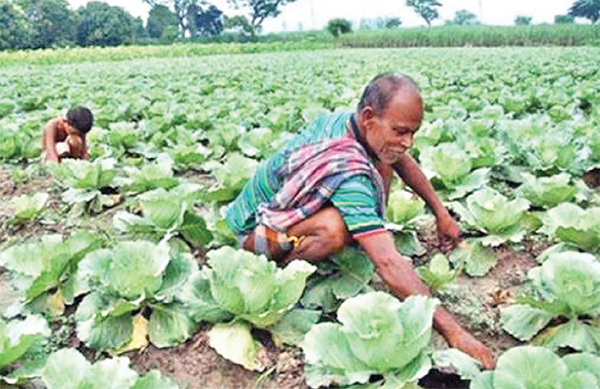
367, 113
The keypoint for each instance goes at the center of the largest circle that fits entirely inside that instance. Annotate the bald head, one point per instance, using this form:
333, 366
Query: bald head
383, 88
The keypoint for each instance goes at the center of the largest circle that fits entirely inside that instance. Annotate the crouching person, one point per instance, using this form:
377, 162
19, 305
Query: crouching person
65, 138
328, 188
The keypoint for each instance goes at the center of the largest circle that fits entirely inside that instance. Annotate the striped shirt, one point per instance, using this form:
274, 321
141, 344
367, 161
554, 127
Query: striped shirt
324, 162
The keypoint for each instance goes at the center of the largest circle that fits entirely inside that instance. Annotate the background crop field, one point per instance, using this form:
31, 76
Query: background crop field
520, 114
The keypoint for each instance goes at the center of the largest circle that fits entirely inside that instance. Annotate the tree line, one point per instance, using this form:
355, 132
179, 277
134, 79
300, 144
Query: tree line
34, 24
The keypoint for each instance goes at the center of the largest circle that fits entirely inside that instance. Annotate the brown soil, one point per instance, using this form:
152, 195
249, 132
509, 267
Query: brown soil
196, 365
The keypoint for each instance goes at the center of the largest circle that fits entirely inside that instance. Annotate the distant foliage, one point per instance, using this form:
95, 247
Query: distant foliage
259, 10
160, 19
589, 9
52, 22
206, 22
465, 18
104, 25
564, 19
523, 20
379, 23
339, 26
15, 32
427, 9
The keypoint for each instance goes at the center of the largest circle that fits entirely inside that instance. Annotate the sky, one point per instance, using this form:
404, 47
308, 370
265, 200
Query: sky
314, 14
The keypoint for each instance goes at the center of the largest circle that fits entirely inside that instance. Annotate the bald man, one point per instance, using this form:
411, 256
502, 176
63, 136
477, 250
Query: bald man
328, 188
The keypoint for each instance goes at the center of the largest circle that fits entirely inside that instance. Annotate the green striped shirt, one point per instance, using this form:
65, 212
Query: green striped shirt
355, 198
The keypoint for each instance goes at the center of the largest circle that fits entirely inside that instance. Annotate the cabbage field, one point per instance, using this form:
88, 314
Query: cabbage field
119, 272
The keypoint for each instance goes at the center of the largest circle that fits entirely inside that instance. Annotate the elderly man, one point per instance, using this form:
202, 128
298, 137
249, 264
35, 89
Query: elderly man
328, 188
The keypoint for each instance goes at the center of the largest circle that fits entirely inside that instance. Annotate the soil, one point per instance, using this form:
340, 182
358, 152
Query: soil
195, 365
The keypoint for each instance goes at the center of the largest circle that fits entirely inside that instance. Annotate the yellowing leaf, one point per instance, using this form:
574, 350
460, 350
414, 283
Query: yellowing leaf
139, 338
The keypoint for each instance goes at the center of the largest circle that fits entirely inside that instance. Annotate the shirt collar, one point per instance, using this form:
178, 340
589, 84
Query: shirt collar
353, 126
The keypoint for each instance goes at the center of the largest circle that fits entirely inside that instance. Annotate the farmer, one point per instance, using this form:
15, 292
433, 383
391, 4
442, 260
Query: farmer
328, 187
65, 138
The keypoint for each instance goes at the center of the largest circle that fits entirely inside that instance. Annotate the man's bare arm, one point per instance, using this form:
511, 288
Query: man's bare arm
409, 170
49, 140
398, 273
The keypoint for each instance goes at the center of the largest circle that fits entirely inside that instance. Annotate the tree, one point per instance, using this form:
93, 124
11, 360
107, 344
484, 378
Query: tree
379, 23
237, 23
465, 18
207, 22
427, 9
589, 9
52, 22
181, 9
564, 19
15, 32
160, 19
393, 23
104, 25
339, 26
523, 20
260, 10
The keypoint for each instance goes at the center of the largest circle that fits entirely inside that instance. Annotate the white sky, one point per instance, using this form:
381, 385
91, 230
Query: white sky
314, 14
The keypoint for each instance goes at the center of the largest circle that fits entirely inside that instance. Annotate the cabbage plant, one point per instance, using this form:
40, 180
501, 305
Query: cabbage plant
231, 176
438, 274
249, 288
166, 214
43, 271
547, 192
29, 207
404, 211
404, 207
68, 369
342, 276
574, 225
126, 281
565, 286
530, 367
452, 169
490, 212
158, 174
377, 335
17, 337
86, 180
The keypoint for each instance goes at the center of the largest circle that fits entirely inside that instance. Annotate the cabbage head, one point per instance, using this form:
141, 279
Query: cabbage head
377, 334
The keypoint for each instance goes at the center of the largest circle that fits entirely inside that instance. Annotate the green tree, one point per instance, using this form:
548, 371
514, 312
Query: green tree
181, 8
259, 10
589, 9
206, 21
52, 22
465, 18
237, 23
393, 22
523, 20
339, 26
15, 32
564, 19
104, 25
379, 23
139, 31
427, 9
160, 19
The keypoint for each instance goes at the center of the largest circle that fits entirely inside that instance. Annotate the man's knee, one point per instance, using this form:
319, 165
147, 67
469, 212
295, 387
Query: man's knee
328, 226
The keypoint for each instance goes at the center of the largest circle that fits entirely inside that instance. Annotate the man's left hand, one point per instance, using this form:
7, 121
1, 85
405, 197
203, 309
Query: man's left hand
448, 232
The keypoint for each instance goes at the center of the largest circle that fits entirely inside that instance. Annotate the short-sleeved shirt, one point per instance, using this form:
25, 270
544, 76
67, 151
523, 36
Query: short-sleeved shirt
356, 198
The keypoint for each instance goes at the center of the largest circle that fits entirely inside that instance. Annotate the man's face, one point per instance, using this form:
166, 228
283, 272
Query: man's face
390, 134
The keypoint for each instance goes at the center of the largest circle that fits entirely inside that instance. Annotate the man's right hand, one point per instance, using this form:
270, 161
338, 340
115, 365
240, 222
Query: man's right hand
464, 341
